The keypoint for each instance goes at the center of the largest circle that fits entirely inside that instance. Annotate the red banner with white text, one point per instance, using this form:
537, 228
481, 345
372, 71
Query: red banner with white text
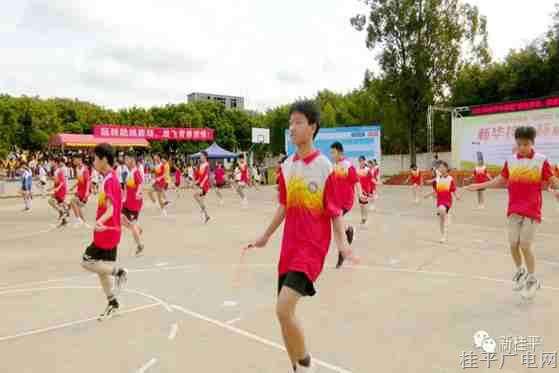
153, 133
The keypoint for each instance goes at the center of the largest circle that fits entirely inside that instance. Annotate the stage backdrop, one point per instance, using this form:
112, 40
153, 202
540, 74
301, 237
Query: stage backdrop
492, 137
356, 141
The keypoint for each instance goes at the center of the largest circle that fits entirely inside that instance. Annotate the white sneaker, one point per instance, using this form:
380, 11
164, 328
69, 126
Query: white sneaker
77, 223
532, 285
164, 213
443, 239
244, 202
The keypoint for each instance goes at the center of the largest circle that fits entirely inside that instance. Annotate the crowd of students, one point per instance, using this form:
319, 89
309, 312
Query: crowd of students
314, 197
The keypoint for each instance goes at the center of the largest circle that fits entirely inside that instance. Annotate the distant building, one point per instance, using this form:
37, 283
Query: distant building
230, 102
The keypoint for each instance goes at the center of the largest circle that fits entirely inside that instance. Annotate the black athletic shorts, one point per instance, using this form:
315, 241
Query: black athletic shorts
130, 215
94, 254
344, 211
297, 281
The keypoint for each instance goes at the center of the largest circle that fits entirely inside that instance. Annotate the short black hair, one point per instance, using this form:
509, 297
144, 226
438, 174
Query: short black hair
241, 156
204, 153
361, 157
525, 133
413, 166
338, 146
310, 110
105, 150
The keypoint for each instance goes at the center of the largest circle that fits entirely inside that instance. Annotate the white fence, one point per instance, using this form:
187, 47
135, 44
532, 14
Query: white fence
394, 164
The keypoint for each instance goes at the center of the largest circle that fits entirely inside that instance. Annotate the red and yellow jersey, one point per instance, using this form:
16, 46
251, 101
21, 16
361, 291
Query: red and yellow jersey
306, 189
134, 180
344, 179
245, 176
416, 178
110, 190
444, 187
525, 176
203, 177
480, 174
160, 176
60, 184
84, 180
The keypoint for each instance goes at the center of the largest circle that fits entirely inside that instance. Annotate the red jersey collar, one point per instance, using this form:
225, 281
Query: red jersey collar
529, 156
309, 158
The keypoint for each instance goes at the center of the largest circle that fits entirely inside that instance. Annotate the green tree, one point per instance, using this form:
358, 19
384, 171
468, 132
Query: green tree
419, 46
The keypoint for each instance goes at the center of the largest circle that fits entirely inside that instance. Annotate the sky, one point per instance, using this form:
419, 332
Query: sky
144, 52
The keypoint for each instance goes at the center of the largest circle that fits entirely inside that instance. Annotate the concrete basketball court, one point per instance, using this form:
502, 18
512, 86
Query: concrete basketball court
412, 305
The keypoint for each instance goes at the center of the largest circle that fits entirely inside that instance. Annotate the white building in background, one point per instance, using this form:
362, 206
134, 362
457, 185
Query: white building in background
230, 102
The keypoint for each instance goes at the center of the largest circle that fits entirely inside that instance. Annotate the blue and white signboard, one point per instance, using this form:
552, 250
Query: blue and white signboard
357, 141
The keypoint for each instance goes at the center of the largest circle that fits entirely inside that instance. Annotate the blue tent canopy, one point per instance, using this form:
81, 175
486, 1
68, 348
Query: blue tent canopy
216, 152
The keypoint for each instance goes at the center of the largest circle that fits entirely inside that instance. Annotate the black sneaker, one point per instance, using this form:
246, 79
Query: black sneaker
110, 311
341, 260
63, 222
120, 280
139, 250
349, 233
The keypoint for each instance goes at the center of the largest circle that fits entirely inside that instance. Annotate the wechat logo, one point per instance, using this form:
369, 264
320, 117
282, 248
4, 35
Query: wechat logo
483, 341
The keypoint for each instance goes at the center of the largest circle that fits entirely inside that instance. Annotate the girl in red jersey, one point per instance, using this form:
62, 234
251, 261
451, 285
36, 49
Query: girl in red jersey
176, 170
481, 175
365, 186
160, 184
203, 183
445, 189
244, 179
83, 187
416, 182
219, 176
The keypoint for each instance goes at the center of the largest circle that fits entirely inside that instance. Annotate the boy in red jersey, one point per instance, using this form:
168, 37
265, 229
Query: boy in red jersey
307, 203
481, 175
416, 182
523, 174
344, 181
203, 183
445, 188
59, 190
83, 185
107, 231
133, 200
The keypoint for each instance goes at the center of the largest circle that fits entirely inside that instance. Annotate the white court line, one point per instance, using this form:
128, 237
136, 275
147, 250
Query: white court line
147, 366
233, 321
72, 323
254, 337
174, 330
131, 291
